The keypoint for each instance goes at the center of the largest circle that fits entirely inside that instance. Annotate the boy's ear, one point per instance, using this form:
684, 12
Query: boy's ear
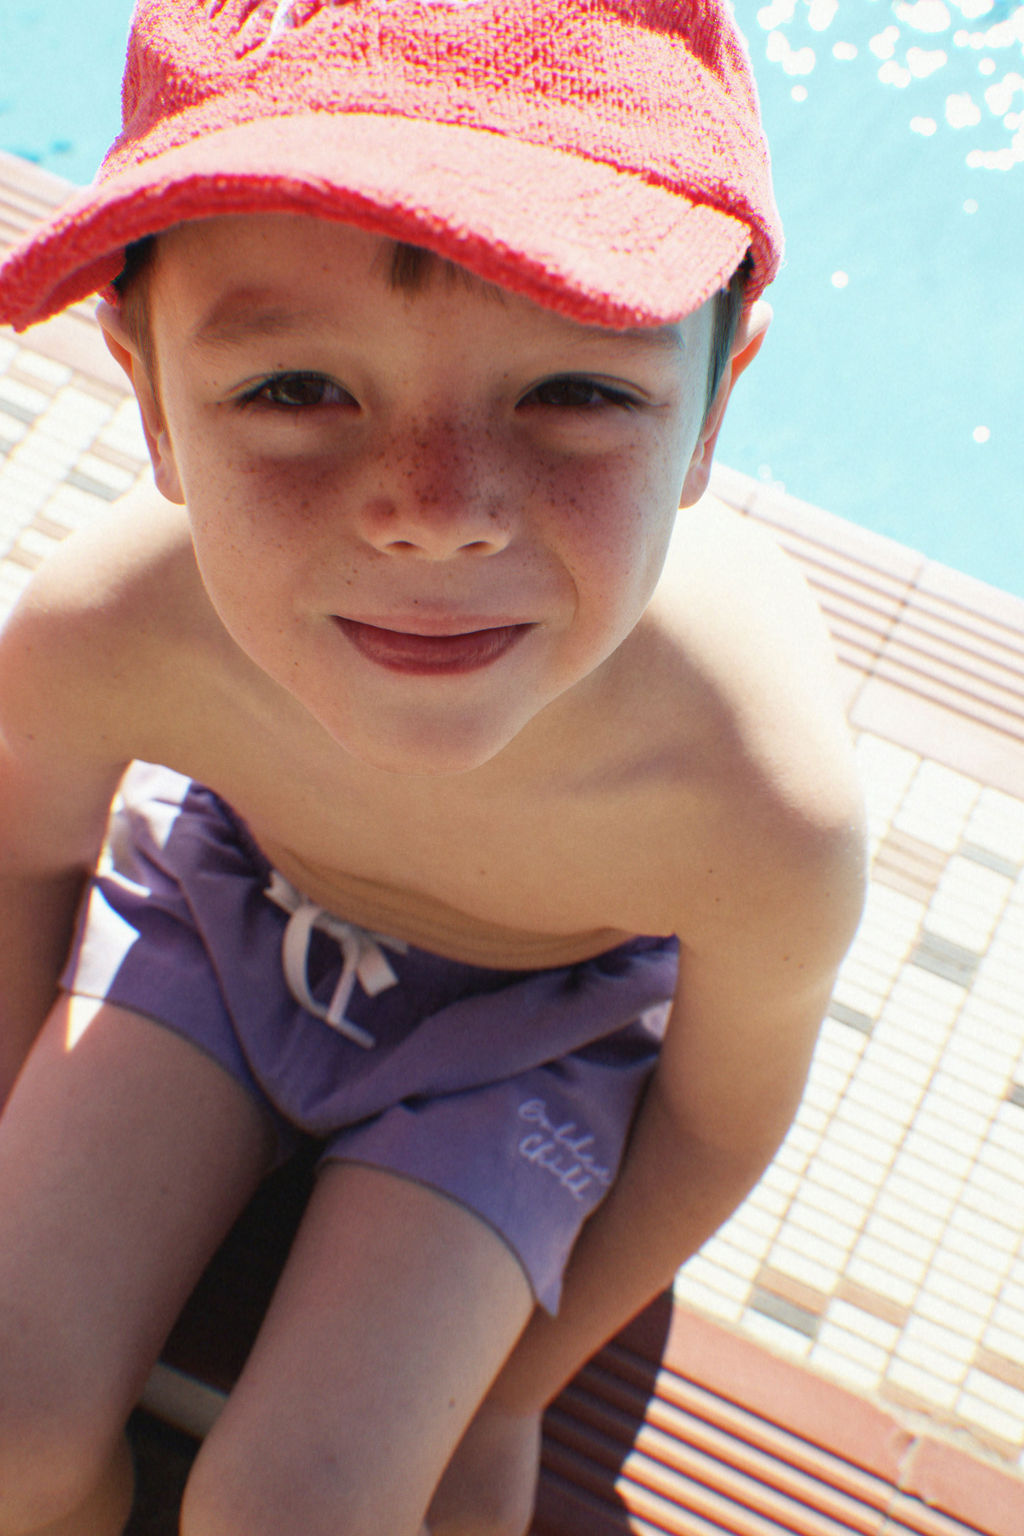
125, 351
750, 334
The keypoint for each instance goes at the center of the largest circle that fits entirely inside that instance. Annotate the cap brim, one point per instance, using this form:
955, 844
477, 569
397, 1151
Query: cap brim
596, 242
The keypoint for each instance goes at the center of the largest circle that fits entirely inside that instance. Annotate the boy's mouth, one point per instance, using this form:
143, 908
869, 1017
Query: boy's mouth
403, 651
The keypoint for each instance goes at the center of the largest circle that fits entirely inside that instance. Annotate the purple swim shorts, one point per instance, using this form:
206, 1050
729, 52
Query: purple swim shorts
510, 1091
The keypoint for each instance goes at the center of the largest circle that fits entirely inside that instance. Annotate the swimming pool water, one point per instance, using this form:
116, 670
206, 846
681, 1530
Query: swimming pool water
60, 80
891, 389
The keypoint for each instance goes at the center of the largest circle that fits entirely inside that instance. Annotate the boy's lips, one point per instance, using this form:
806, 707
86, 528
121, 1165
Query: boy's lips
407, 651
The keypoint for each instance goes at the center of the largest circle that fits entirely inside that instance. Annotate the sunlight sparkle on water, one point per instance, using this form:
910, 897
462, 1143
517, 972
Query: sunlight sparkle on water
995, 26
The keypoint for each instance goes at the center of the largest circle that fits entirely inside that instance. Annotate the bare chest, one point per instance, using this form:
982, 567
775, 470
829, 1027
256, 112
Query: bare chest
542, 868
529, 881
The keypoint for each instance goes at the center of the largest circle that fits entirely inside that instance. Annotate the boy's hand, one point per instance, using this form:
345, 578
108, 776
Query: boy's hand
490, 1484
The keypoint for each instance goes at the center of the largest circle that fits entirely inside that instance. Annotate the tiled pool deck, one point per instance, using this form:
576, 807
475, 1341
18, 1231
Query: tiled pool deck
885, 1245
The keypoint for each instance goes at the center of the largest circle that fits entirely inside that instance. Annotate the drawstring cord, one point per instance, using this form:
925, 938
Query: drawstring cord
363, 960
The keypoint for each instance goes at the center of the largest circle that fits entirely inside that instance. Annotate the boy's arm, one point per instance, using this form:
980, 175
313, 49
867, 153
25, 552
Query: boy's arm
732, 1070
56, 784
733, 1066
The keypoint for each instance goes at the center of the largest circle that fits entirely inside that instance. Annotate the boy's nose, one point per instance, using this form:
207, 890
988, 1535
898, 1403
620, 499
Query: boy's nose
438, 494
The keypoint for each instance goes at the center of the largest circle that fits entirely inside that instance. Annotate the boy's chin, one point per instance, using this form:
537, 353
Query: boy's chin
426, 753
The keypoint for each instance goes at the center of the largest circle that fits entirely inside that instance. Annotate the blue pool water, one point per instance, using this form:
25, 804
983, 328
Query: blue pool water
892, 387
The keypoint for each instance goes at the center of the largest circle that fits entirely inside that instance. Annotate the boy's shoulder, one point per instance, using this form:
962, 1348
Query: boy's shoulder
742, 694
735, 626
116, 603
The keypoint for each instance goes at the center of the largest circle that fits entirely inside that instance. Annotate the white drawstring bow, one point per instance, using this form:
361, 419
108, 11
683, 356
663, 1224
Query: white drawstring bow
363, 960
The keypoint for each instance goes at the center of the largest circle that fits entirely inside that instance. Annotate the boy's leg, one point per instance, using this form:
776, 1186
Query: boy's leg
394, 1314
125, 1153
107, 1507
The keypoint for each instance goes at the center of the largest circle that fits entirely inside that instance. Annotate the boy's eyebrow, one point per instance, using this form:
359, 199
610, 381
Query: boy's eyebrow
666, 338
244, 313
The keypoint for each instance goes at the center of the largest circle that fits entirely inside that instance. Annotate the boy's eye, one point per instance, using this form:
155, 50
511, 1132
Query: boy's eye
297, 391
574, 392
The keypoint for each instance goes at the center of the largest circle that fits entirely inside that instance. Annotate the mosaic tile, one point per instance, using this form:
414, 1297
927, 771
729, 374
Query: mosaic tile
1001, 980
754, 1226
824, 1090
1011, 1296
846, 1318
781, 1310
979, 1067
779, 1183
906, 865
997, 823
775, 1335
22, 401
937, 806
872, 1307
100, 488
767, 1201
965, 1114
999, 1357
949, 1314
711, 1299
706, 1285
952, 1349
925, 1388
898, 1202
112, 477
13, 581
859, 999
842, 1215
941, 956
820, 1235
920, 1011
895, 1238
741, 1260
853, 1018
883, 1280
35, 544
889, 1085
994, 1404
33, 367
12, 428
863, 1152
990, 1021
891, 918
74, 507
123, 433
997, 862
887, 771
108, 453
813, 1265
851, 1361
976, 1249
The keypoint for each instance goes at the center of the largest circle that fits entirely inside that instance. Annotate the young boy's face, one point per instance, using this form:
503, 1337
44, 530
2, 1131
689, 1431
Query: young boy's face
428, 514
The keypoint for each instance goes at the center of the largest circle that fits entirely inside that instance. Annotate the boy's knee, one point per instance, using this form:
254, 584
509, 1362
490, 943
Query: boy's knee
60, 1438
55, 1464
268, 1489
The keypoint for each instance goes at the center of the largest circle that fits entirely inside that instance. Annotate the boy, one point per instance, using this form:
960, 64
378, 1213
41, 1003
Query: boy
473, 773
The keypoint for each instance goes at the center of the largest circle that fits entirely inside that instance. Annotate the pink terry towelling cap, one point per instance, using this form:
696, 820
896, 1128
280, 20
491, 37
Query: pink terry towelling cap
602, 157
